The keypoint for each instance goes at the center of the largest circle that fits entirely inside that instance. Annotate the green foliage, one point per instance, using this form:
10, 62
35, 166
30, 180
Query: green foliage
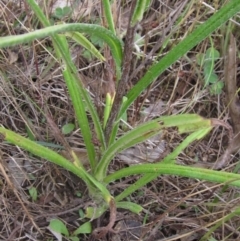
61, 13
84, 42
217, 87
97, 179
30, 133
107, 109
219, 222
207, 61
141, 7
33, 193
68, 128
108, 15
58, 228
124, 117
85, 228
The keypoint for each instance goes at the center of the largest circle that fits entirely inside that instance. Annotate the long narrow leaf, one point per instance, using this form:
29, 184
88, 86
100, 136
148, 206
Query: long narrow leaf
197, 135
77, 96
108, 15
62, 50
139, 11
131, 138
39, 13
55, 158
84, 42
185, 123
107, 36
42, 152
202, 31
169, 159
132, 207
80, 112
82, 95
145, 179
183, 171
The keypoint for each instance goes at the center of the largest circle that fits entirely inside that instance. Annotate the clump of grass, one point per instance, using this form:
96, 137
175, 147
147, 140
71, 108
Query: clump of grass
118, 55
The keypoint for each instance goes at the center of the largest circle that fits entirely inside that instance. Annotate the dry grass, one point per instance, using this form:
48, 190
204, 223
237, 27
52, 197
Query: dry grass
33, 95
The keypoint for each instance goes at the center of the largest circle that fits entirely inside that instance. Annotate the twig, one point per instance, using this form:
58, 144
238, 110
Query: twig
233, 103
121, 87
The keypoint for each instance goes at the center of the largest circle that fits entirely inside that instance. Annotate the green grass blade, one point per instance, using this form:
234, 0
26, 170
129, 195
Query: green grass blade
202, 31
79, 98
137, 135
81, 94
209, 63
115, 128
107, 109
184, 171
139, 10
219, 222
80, 112
132, 207
55, 158
197, 135
42, 152
108, 15
62, 50
185, 123
83, 41
170, 159
107, 36
114, 133
136, 186
39, 13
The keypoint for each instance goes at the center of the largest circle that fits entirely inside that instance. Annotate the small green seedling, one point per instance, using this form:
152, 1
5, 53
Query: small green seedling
207, 61
59, 229
68, 128
33, 193
61, 13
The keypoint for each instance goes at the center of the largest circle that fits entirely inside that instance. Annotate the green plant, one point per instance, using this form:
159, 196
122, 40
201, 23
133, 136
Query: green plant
207, 61
60, 13
68, 128
98, 179
33, 193
58, 228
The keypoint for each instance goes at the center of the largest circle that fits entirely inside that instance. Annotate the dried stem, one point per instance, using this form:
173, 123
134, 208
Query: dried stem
121, 87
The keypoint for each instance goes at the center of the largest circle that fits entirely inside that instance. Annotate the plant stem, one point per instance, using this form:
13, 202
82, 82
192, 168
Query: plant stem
123, 82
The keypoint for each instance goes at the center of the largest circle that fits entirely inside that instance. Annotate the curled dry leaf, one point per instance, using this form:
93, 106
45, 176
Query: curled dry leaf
142, 154
12, 56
